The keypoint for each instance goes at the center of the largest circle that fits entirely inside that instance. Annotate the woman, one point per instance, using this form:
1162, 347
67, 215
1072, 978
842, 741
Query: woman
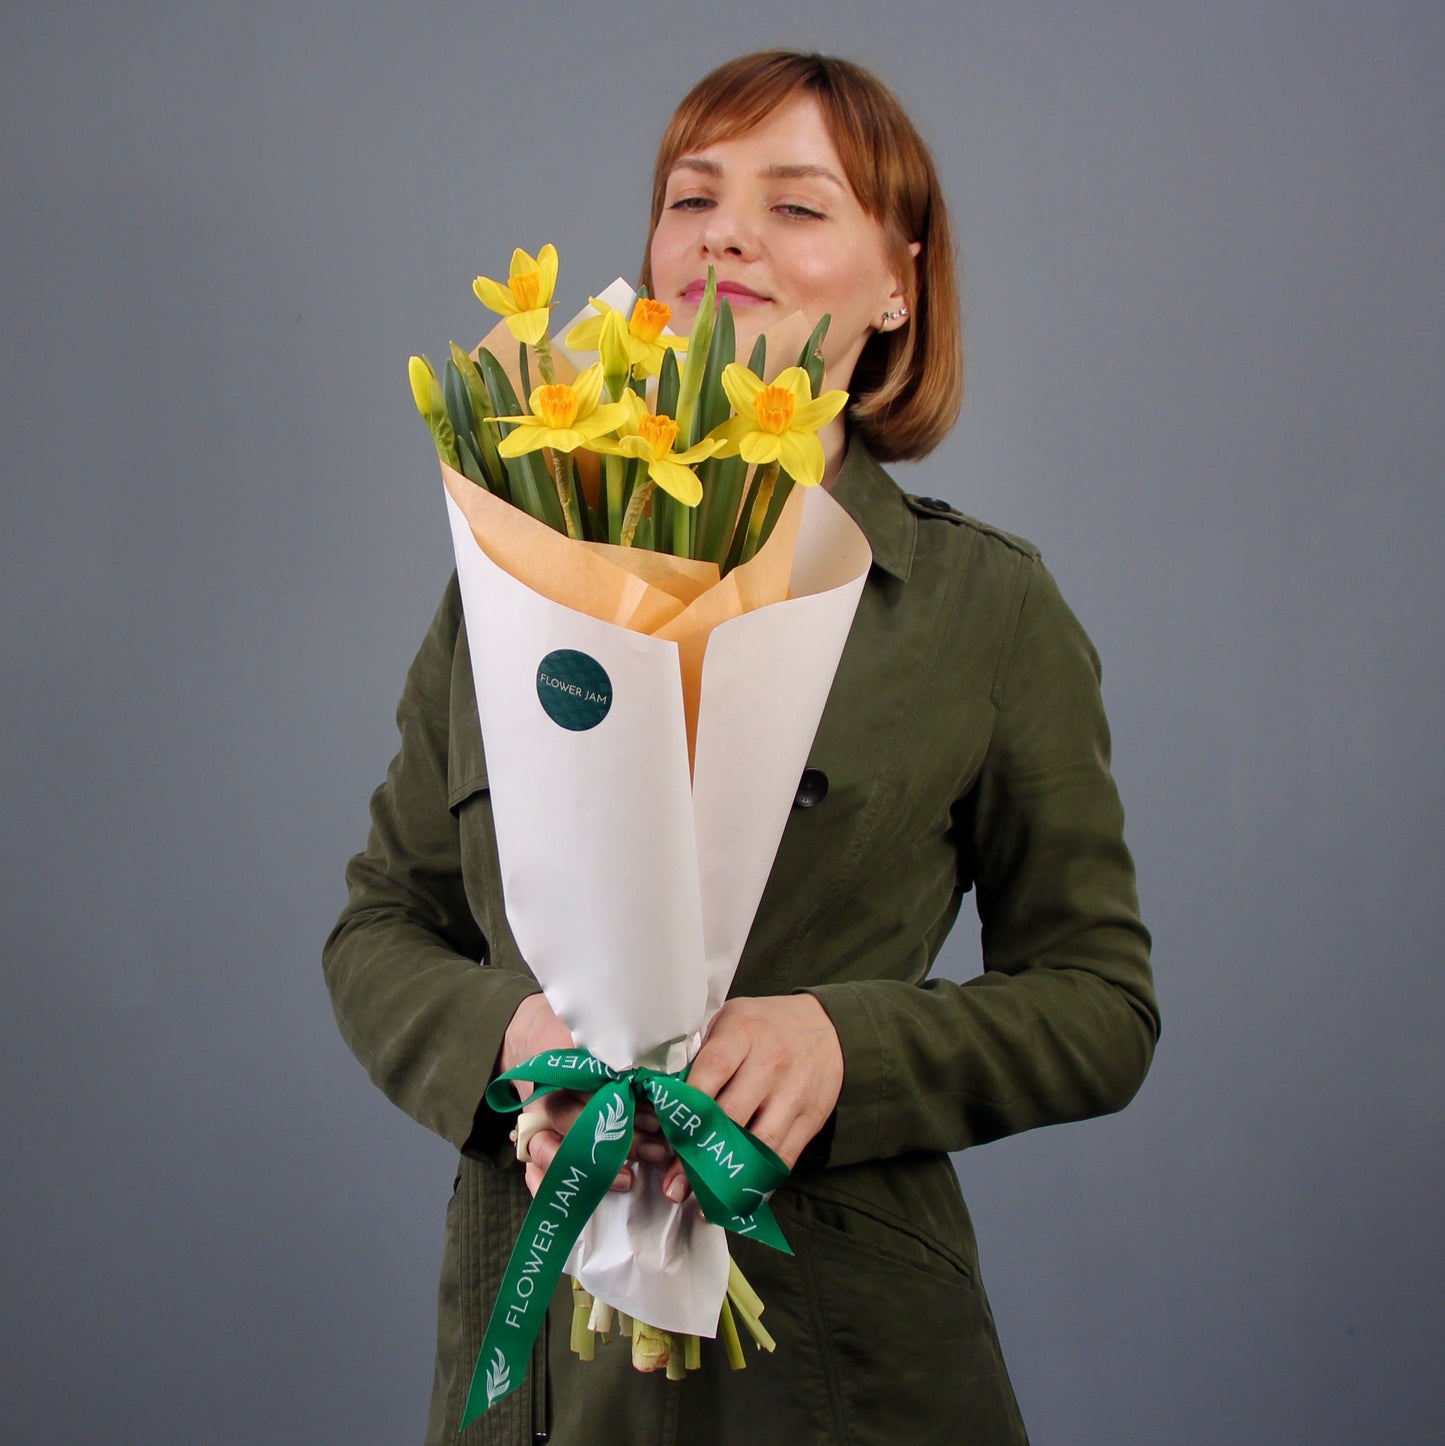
964, 746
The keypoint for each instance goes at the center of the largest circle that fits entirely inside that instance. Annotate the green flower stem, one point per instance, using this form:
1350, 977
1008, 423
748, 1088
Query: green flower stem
544, 359
584, 1343
758, 515
728, 1332
560, 466
650, 1350
636, 506
682, 530
677, 1357
614, 473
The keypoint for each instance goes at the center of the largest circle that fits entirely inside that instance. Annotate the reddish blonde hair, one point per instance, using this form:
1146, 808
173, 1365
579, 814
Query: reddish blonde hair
908, 384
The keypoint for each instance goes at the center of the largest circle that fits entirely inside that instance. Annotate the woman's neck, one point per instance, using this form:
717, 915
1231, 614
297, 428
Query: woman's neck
834, 438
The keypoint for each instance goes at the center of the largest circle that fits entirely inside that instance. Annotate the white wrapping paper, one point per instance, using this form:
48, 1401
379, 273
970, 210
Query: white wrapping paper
630, 886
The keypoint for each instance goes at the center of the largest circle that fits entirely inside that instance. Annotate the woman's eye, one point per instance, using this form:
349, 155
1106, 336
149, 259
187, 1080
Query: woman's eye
792, 208
690, 203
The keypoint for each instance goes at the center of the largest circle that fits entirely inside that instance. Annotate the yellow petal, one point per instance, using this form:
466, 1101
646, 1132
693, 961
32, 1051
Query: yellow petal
742, 388
424, 389
583, 336
629, 445
759, 447
522, 263
636, 408
795, 380
677, 481
498, 298
614, 345
529, 326
728, 434
525, 439
588, 387
801, 454
606, 418
547, 265
812, 415
698, 451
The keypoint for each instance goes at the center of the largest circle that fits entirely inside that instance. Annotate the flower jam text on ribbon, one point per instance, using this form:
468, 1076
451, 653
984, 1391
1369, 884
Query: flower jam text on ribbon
731, 1172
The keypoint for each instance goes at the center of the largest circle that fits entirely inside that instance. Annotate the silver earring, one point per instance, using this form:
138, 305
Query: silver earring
889, 316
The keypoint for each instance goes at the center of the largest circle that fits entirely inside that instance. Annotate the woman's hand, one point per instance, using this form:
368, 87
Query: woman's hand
775, 1066
535, 1028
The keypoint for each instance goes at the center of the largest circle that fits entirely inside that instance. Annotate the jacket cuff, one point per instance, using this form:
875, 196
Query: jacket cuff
853, 1133
479, 1130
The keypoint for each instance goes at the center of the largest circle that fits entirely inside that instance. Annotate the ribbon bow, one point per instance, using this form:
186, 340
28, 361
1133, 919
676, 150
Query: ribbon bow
731, 1172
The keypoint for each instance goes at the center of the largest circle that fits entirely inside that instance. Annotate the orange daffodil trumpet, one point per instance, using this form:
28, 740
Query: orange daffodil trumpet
564, 416
778, 421
650, 438
666, 482
526, 300
644, 337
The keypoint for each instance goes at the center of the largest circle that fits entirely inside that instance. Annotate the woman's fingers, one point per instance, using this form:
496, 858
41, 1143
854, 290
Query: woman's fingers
561, 1108
533, 1028
544, 1147
775, 1066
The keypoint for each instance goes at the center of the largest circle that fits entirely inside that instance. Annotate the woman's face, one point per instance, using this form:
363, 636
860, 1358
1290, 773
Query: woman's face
773, 213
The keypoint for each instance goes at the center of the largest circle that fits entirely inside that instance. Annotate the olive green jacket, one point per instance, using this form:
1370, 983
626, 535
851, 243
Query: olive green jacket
964, 746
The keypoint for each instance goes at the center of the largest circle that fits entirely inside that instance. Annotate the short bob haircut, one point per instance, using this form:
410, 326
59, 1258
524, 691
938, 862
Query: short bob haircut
908, 384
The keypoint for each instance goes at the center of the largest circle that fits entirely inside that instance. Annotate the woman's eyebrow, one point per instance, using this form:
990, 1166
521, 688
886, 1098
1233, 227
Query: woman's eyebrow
778, 171
698, 163
798, 171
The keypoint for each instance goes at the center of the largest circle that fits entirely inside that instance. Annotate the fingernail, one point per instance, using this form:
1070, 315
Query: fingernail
677, 1190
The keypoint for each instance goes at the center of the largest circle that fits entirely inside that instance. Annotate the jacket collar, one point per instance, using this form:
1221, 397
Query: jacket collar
872, 499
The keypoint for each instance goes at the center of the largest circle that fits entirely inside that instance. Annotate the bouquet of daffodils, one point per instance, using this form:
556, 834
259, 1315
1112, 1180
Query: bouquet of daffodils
654, 614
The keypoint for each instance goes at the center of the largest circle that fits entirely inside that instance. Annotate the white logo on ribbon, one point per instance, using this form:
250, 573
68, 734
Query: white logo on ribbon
499, 1378
611, 1125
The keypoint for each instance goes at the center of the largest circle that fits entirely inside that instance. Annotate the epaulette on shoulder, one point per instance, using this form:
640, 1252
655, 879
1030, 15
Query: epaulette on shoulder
941, 511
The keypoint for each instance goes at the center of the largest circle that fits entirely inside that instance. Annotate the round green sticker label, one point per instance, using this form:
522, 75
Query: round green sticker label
574, 689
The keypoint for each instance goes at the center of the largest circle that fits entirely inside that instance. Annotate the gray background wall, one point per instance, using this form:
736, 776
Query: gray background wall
1203, 267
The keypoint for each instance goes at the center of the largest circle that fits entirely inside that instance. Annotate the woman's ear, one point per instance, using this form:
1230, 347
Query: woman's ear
895, 314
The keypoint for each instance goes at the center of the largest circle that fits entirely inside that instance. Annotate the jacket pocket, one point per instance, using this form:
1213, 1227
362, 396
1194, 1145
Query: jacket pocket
908, 1340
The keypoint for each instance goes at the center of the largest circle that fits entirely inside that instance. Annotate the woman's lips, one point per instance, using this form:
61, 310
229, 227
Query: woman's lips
735, 291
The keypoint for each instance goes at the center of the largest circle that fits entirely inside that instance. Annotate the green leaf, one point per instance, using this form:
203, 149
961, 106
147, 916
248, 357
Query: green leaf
667, 387
712, 403
759, 358
470, 467
459, 407
698, 344
811, 357
484, 435
530, 483
740, 531
524, 371
722, 487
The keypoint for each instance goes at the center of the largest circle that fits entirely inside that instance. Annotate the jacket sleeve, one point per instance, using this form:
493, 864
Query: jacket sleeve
405, 962
1062, 1024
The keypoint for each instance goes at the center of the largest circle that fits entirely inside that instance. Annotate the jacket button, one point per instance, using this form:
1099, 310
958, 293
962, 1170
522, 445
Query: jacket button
934, 504
812, 788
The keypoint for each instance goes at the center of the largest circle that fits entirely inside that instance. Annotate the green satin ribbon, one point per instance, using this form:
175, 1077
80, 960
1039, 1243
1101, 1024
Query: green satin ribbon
731, 1173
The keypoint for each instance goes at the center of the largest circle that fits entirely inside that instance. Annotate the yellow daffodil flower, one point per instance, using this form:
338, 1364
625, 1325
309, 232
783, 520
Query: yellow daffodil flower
526, 300
778, 421
645, 340
649, 437
426, 392
425, 389
564, 417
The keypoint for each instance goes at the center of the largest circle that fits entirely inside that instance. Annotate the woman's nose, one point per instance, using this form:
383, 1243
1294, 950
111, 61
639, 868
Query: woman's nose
728, 233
